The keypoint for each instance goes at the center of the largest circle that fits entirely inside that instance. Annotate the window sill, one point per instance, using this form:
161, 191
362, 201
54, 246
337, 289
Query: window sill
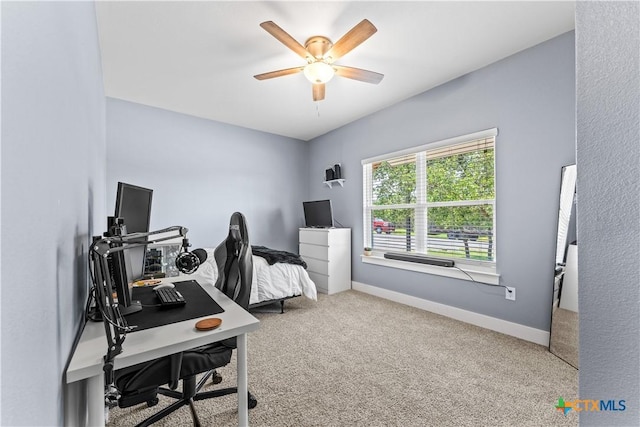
460, 271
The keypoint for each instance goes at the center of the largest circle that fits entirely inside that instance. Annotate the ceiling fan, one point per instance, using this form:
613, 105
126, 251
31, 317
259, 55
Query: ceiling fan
320, 54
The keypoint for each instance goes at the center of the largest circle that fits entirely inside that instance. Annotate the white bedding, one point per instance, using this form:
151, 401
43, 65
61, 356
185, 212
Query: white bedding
269, 281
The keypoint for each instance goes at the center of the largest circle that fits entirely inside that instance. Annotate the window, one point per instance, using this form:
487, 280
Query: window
437, 199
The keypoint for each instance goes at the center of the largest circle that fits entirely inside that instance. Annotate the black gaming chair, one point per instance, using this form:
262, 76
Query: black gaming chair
141, 383
235, 262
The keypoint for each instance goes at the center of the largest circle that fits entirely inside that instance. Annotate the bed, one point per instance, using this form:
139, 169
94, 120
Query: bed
275, 278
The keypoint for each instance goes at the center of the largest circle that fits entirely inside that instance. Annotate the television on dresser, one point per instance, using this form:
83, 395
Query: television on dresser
318, 214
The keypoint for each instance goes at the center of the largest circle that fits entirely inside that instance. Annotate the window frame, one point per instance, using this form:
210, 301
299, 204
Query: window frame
468, 269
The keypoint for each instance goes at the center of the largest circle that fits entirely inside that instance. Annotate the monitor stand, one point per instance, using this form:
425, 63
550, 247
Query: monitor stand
134, 307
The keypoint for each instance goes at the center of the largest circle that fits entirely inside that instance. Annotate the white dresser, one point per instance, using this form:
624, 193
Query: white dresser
327, 252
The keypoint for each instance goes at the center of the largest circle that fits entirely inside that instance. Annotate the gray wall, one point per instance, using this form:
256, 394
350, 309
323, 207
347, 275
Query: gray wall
608, 147
53, 178
530, 98
202, 171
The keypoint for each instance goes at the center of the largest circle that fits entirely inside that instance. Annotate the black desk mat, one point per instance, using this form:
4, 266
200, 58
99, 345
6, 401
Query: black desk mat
199, 304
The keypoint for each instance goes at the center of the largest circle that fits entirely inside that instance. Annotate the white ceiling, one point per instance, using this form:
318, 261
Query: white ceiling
199, 58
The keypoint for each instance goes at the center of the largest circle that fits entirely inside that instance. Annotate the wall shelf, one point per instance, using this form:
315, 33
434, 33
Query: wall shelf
330, 183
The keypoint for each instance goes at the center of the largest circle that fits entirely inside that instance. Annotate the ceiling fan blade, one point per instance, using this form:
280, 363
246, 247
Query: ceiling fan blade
358, 74
278, 73
353, 38
318, 91
284, 38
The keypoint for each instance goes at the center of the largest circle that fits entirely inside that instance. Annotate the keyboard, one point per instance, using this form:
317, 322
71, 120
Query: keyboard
170, 297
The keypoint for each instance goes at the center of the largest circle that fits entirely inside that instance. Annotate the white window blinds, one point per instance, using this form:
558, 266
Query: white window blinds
436, 199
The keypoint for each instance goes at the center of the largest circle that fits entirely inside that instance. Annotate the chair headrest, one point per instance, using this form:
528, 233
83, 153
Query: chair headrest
238, 228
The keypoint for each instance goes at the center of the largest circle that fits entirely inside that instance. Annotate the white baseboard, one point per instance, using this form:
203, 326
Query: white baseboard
517, 330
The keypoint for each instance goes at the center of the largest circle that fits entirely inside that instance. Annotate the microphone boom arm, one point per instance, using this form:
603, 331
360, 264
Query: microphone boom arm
115, 324
103, 247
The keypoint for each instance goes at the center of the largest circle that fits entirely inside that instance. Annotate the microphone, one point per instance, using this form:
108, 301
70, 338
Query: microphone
188, 262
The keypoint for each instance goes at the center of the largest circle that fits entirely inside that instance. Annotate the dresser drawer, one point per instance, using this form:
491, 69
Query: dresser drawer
314, 237
317, 265
321, 281
314, 251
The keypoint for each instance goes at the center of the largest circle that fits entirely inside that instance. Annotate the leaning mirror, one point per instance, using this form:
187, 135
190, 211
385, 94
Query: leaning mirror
564, 313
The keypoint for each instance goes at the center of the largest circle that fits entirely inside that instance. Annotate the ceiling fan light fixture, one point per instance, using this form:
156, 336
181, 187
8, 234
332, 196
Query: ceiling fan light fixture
319, 72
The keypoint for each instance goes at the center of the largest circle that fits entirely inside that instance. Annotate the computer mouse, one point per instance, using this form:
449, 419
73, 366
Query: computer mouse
164, 285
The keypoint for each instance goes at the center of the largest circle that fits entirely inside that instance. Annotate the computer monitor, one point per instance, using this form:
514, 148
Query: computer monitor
133, 206
318, 213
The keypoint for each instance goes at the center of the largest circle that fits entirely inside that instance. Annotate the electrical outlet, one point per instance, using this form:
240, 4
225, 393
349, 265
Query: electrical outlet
510, 293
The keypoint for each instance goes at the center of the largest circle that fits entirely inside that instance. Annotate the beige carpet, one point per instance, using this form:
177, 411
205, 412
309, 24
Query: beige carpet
352, 359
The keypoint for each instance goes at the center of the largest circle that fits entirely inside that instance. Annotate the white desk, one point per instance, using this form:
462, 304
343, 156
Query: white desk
86, 364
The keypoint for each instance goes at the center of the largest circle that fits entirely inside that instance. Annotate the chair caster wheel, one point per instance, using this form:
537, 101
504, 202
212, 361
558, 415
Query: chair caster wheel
216, 378
152, 402
253, 402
